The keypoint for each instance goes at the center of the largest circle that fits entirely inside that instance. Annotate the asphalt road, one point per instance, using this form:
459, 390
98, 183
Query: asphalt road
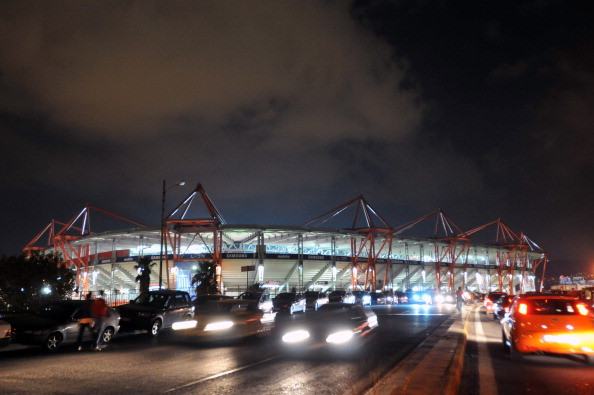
168, 364
488, 369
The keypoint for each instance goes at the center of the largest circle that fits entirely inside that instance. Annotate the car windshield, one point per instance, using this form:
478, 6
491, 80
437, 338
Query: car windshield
249, 296
56, 311
151, 299
552, 307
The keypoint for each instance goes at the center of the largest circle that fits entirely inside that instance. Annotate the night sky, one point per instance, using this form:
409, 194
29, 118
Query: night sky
286, 109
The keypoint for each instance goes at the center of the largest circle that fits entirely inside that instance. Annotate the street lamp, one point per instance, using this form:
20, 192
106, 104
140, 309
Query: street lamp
177, 184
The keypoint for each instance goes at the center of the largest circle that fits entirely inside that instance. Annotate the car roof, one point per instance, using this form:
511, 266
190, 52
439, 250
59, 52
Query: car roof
540, 297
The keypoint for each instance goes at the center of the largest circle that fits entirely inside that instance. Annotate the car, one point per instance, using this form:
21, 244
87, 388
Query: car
55, 324
400, 297
288, 302
337, 327
227, 319
202, 300
362, 297
549, 324
501, 307
153, 311
315, 299
420, 297
263, 299
491, 298
378, 297
442, 298
341, 296
5, 333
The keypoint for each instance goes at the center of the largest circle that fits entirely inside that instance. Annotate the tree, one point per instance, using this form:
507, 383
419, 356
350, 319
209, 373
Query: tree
144, 277
205, 279
28, 281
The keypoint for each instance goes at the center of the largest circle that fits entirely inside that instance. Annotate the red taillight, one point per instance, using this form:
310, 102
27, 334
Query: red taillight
523, 308
582, 309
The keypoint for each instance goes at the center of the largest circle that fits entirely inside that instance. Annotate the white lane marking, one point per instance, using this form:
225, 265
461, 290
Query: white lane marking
214, 376
487, 385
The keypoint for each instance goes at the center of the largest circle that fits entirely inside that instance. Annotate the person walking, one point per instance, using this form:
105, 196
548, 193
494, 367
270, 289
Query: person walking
99, 311
85, 320
459, 299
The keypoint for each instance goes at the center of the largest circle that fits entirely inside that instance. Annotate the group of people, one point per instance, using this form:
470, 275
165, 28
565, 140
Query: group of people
92, 316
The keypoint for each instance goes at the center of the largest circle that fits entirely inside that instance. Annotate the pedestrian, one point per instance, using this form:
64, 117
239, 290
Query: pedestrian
85, 320
459, 299
99, 311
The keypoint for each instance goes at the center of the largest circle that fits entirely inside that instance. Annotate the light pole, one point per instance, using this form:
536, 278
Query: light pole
179, 183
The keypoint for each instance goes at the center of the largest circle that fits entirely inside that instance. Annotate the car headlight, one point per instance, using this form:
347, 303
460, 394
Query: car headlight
449, 299
295, 336
416, 297
217, 326
439, 298
184, 324
340, 337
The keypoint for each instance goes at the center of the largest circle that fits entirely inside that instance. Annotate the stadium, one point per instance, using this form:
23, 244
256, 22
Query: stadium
348, 247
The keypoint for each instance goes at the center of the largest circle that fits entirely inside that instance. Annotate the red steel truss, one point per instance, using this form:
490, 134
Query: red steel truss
180, 221
75, 229
517, 247
457, 241
363, 212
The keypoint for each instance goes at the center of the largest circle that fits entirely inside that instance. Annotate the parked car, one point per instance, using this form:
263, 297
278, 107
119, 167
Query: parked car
341, 296
57, 323
491, 298
548, 324
501, 307
315, 299
288, 302
263, 299
338, 327
156, 310
362, 297
5, 333
400, 297
378, 297
226, 319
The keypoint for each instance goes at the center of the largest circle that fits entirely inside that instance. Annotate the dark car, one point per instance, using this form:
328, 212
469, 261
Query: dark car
227, 319
57, 323
156, 310
315, 299
362, 297
288, 302
203, 300
341, 296
263, 299
502, 306
339, 327
491, 298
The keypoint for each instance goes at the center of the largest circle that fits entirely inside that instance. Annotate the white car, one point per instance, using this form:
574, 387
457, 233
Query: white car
5, 331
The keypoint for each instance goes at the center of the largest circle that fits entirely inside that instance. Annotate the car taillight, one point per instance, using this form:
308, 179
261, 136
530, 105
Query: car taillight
582, 309
523, 308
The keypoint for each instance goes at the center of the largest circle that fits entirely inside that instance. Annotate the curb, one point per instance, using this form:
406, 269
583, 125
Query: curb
436, 363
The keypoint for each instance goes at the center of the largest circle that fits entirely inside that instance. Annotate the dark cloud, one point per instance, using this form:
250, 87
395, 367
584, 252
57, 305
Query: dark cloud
285, 109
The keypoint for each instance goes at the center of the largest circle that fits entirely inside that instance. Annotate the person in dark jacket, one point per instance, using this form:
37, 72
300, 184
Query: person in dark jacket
85, 320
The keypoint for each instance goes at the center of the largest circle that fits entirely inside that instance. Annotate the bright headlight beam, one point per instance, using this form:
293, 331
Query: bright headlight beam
217, 326
340, 337
295, 336
184, 324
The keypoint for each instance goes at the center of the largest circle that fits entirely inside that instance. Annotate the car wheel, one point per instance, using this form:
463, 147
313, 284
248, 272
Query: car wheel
155, 328
514, 353
107, 335
504, 342
53, 341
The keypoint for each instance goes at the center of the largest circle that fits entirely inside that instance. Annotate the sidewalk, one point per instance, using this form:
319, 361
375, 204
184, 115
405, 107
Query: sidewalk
436, 364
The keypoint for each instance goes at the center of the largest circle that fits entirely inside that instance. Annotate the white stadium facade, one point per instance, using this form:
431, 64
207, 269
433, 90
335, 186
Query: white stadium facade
367, 254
